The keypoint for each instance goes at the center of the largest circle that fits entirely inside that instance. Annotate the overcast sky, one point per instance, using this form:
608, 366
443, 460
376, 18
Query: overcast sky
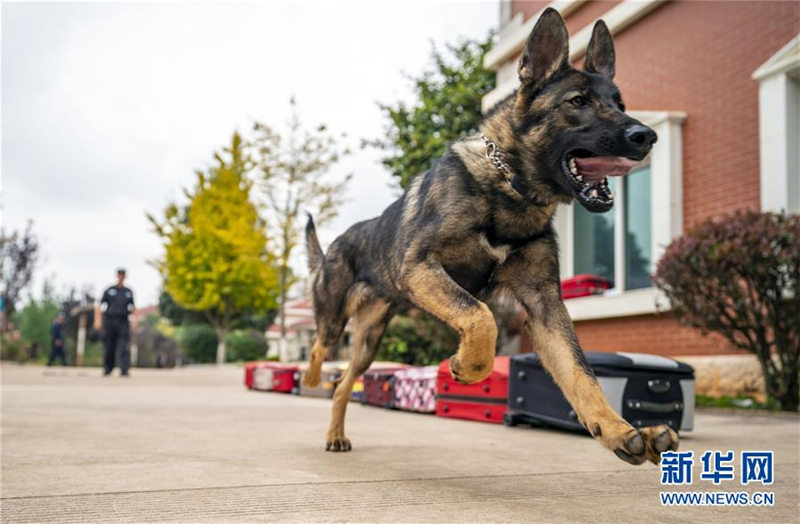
107, 109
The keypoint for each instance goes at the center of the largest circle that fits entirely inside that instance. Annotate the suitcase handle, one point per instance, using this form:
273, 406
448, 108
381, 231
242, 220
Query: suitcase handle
658, 385
655, 407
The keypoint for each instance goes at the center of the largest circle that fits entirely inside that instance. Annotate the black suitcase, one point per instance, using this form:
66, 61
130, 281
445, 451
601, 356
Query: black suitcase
646, 390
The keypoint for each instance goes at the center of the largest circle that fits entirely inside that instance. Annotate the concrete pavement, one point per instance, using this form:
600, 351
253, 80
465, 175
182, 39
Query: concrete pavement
193, 445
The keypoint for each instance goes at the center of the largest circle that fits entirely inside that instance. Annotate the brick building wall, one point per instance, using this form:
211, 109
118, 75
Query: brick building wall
694, 57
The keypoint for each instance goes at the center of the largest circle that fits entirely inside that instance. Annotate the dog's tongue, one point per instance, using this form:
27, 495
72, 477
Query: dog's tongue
593, 169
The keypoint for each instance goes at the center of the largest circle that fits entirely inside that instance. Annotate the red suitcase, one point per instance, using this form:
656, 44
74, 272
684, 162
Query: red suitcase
486, 401
378, 388
248, 374
583, 286
270, 376
358, 388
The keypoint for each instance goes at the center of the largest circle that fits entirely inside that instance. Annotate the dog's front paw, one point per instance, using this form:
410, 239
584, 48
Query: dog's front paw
658, 439
470, 373
338, 443
637, 446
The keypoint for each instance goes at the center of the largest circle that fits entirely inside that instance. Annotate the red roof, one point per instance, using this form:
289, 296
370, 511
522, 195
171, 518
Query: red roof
275, 328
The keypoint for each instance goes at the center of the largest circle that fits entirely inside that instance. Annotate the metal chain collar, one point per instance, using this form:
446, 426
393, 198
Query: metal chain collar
492, 154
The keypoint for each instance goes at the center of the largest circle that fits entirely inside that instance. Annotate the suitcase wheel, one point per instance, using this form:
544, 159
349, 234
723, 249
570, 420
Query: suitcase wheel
509, 419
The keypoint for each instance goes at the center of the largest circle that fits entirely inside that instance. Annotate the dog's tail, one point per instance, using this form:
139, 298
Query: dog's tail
315, 255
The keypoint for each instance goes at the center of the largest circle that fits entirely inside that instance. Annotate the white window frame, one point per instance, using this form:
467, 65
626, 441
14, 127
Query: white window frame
666, 223
778, 108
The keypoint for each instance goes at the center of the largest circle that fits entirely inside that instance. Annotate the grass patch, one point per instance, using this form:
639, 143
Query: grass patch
738, 402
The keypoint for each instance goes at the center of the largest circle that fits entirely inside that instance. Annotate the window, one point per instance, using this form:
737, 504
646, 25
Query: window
624, 244
593, 241
622, 258
637, 245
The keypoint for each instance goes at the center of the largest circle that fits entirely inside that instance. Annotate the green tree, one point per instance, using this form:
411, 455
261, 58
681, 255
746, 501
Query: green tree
216, 259
447, 107
292, 173
18, 256
35, 319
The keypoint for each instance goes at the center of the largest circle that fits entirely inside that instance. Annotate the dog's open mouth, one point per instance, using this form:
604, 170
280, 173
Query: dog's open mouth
589, 176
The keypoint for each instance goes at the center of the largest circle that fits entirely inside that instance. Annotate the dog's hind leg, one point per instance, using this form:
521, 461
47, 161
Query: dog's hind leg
432, 289
369, 324
328, 335
331, 317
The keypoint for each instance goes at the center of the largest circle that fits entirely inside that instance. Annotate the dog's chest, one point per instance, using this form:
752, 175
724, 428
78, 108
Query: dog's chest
472, 261
497, 252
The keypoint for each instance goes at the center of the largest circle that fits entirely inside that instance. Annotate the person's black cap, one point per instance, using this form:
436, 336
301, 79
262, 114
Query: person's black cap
120, 270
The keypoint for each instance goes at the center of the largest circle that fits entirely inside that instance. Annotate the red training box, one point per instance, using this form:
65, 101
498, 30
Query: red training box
583, 286
485, 401
270, 376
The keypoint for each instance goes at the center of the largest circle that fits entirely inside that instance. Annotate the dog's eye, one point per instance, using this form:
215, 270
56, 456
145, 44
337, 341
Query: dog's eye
621, 106
578, 101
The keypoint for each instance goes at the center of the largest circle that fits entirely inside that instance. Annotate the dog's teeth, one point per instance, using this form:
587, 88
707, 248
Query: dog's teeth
579, 178
572, 167
594, 193
611, 196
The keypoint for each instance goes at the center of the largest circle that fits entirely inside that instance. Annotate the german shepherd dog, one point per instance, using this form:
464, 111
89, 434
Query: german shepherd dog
479, 223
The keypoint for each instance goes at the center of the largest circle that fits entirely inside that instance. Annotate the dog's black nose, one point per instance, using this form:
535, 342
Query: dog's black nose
641, 137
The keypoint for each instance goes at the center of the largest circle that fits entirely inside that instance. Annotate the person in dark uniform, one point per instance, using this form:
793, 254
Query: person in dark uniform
57, 336
116, 306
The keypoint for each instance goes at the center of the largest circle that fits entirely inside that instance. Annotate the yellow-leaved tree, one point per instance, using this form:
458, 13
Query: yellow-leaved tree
216, 259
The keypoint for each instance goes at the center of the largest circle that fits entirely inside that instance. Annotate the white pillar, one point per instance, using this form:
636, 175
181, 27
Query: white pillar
80, 349
779, 143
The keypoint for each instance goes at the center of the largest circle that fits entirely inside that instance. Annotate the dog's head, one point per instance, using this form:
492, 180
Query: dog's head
572, 123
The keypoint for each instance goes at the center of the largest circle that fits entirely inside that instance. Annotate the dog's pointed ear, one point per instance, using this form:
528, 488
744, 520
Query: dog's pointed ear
600, 55
546, 51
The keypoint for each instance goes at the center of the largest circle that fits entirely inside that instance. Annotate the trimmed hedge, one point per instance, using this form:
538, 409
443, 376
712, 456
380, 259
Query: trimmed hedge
245, 345
198, 342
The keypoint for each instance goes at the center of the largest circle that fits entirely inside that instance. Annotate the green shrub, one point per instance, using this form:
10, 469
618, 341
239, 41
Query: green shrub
418, 339
13, 349
739, 276
245, 345
35, 321
198, 342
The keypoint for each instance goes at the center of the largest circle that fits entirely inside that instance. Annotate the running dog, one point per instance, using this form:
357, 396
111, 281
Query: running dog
479, 223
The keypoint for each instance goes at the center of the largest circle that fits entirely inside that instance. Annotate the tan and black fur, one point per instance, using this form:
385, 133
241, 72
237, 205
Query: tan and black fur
463, 232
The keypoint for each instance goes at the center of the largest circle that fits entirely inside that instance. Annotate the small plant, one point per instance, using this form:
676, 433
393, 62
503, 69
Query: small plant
739, 276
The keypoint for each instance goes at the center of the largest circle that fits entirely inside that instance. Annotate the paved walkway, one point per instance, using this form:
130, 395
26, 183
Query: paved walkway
194, 445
